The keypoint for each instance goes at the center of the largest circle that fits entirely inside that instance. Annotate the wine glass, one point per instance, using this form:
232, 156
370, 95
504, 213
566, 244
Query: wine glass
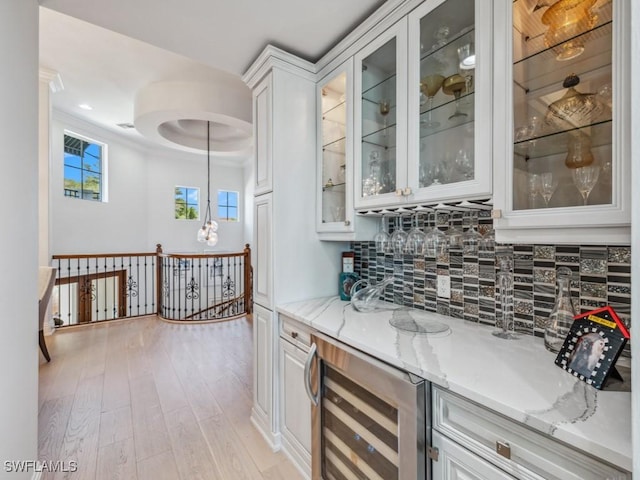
398, 238
382, 238
464, 164
429, 86
533, 180
384, 107
548, 185
416, 239
467, 57
454, 234
471, 237
585, 178
435, 240
454, 85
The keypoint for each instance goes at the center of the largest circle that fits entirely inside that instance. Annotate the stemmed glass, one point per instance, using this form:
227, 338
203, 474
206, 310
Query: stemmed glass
435, 240
416, 239
430, 85
585, 178
385, 107
454, 85
398, 238
534, 188
467, 57
382, 238
548, 184
454, 235
471, 237
505, 285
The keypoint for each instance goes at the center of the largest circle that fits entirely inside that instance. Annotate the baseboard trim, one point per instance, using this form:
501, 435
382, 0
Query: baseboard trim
273, 439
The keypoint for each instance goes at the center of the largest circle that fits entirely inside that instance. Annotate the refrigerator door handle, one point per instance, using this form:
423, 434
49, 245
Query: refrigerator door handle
307, 375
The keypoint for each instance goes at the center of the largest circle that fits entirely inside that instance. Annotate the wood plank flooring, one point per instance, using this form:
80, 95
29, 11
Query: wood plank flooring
148, 400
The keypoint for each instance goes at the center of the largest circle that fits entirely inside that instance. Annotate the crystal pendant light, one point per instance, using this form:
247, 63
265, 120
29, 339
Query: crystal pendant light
207, 233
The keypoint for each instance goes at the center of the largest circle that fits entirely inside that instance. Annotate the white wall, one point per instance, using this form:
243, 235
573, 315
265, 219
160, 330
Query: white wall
140, 209
179, 168
19, 240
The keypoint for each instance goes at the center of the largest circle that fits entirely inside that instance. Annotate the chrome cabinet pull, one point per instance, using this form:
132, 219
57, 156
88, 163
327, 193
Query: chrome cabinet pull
307, 375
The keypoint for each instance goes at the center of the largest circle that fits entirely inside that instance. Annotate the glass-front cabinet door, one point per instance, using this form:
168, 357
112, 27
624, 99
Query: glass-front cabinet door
335, 209
450, 97
564, 161
380, 118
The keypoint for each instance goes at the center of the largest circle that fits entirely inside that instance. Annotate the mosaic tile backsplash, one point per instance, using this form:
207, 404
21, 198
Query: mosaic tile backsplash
602, 276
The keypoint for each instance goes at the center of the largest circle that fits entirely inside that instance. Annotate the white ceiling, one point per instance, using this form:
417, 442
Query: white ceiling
106, 51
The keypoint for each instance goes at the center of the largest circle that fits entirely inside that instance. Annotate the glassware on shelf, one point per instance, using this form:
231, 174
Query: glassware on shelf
382, 239
585, 178
533, 184
504, 280
566, 21
385, 107
429, 86
548, 186
338, 213
416, 239
453, 85
464, 164
561, 317
574, 109
579, 151
371, 185
467, 57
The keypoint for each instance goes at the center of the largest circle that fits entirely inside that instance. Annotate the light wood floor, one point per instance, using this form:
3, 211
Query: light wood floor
144, 399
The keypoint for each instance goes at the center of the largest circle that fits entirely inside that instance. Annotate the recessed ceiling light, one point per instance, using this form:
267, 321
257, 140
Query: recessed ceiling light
85, 106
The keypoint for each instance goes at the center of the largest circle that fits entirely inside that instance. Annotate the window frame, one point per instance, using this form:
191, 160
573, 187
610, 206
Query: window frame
103, 186
227, 206
187, 204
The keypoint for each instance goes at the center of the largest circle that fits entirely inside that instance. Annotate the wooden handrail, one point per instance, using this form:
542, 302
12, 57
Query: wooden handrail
102, 255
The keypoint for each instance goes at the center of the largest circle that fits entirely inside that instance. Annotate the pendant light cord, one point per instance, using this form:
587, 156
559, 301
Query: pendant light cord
208, 212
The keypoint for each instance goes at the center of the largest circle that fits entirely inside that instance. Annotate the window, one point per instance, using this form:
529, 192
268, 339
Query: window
83, 168
187, 203
228, 206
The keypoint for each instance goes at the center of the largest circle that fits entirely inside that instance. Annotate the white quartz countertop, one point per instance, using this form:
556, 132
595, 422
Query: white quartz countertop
517, 378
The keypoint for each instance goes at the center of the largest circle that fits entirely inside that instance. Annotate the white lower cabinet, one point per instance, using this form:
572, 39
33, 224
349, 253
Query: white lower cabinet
263, 411
457, 463
295, 408
515, 450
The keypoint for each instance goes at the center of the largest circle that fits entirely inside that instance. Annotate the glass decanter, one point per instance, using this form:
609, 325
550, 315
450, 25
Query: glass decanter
563, 312
504, 282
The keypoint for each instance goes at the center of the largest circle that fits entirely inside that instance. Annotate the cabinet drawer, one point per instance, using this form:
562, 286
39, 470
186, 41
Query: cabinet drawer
524, 453
295, 332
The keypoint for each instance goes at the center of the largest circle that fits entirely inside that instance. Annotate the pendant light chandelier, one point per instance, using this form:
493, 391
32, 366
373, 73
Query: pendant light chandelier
207, 233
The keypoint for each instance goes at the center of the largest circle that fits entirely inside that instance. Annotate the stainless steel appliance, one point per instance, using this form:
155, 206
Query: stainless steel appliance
368, 418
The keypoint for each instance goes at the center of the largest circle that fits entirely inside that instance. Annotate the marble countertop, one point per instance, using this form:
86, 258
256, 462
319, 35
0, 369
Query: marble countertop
517, 378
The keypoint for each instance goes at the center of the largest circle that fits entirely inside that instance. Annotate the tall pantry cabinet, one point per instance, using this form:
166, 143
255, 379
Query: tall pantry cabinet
289, 261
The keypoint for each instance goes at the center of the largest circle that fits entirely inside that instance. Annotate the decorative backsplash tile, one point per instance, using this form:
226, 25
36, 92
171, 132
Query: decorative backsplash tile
602, 276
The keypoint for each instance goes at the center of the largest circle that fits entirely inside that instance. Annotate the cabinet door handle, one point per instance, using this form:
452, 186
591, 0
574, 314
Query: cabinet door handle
294, 334
307, 376
503, 449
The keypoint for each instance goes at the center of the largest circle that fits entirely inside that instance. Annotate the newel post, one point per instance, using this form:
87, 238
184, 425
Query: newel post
248, 280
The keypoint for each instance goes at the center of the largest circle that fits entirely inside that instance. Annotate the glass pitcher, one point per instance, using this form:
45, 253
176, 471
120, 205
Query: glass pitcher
563, 312
365, 299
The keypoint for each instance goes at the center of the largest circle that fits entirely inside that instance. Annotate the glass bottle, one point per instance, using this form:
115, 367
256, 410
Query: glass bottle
563, 312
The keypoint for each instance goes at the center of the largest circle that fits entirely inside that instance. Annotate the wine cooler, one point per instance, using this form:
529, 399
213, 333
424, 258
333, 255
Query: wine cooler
368, 418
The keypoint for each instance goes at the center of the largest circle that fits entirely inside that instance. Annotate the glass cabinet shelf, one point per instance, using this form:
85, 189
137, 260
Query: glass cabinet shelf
556, 143
336, 114
336, 187
384, 137
441, 115
336, 146
380, 90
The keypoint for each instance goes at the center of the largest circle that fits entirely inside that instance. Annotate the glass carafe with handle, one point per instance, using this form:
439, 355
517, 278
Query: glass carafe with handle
563, 312
366, 299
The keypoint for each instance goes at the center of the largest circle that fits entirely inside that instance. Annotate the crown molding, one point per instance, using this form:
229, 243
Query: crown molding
52, 77
274, 57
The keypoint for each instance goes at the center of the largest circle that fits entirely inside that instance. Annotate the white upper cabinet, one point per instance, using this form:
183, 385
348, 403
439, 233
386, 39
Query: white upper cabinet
420, 86
562, 164
336, 219
381, 118
262, 131
450, 101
